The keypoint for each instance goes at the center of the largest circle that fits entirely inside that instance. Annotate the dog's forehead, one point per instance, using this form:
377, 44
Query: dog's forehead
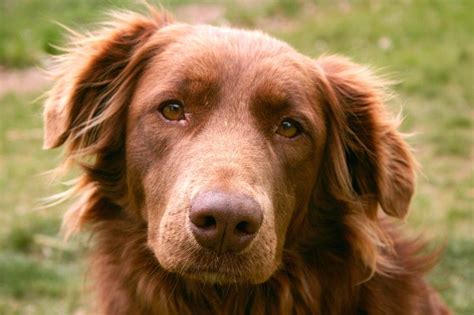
229, 58
208, 50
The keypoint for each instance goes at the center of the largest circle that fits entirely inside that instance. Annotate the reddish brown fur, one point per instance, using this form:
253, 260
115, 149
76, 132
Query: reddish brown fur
323, 247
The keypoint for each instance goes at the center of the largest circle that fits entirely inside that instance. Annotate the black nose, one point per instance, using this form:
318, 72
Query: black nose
224, 222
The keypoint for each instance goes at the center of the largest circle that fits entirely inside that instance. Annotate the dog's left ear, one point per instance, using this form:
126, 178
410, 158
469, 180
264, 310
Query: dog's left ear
366, 154
87, 105
91, 72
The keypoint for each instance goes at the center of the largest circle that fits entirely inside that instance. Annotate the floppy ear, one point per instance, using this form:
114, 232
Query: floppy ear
367, 158
86, 109
89, 75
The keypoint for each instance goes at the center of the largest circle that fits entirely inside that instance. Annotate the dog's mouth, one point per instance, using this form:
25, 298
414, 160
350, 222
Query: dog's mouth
226, 268
215, 269
220, 238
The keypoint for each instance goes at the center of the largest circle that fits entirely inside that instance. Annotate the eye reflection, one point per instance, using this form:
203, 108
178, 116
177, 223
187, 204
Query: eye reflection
289, 128
172, 110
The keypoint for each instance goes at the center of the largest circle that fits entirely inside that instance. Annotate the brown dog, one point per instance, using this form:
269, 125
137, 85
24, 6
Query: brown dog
225, 173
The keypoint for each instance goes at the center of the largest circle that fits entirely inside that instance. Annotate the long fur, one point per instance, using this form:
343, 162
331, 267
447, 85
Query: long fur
342, 258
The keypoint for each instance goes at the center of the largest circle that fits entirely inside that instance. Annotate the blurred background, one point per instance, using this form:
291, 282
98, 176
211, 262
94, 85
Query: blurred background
427, 45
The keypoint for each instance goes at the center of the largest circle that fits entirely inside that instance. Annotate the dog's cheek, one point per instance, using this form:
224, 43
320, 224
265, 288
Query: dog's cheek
300, 177
153, 166
168, 231
277, 202
145, 155
284, 209
146, 189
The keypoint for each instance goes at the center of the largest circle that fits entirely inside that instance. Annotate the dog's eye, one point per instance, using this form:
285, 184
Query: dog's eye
172, 110
289, 128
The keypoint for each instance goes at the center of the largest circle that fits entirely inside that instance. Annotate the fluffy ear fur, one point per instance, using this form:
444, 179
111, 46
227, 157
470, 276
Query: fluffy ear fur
367, 158
90, 74
85, 110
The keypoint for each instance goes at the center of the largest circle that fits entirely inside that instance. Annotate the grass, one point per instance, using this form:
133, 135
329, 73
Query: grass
427, 44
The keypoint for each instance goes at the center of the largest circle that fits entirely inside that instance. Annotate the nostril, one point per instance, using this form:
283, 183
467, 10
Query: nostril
208, 223
224, 222
205, 222
244, 227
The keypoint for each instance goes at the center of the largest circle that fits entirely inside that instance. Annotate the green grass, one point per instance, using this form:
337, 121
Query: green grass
38, 273
427, 45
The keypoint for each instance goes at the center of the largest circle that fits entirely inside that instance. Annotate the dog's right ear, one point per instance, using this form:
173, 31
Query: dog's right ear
91, 73
369, 160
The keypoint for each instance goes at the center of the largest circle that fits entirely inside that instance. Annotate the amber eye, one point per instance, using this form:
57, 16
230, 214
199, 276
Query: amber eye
289, 128
172, 110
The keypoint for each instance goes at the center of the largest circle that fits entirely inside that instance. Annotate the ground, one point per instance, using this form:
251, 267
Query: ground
426, 45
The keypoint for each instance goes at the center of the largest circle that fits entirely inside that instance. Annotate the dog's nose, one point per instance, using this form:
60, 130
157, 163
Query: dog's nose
224, 222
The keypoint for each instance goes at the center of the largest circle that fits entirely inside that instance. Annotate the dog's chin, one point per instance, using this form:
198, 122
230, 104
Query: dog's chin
214, 277
221, 270
221, 277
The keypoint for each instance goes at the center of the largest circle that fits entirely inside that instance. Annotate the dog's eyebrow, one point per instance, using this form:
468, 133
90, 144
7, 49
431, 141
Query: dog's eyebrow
195, 83
180, 86
278, 96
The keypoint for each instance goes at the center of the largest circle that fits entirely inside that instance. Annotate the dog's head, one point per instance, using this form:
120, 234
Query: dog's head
225, 144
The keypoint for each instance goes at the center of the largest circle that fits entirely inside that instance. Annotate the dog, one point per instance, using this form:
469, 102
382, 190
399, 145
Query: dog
223, 172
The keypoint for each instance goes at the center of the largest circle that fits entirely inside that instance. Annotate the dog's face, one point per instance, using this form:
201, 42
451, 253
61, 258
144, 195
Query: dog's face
222, 135
223, 143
